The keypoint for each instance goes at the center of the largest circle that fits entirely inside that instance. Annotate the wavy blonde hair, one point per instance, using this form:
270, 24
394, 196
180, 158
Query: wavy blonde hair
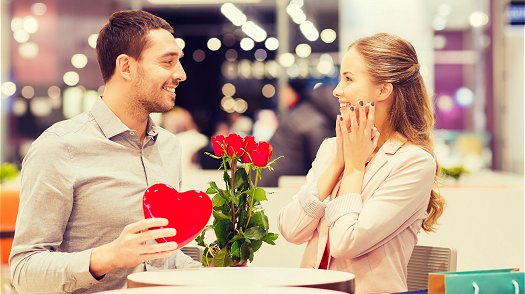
391, 59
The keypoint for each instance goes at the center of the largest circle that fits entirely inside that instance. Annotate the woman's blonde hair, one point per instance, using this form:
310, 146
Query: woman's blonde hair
390, 59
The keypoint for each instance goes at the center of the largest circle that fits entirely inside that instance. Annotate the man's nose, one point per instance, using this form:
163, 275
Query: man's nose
179, 73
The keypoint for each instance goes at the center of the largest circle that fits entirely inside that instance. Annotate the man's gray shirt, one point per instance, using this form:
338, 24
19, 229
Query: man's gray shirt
82, 183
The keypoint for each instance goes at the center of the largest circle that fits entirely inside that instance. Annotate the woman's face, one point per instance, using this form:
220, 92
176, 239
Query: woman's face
355, 84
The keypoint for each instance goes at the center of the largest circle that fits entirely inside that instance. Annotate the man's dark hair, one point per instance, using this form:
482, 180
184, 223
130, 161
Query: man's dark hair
125, 33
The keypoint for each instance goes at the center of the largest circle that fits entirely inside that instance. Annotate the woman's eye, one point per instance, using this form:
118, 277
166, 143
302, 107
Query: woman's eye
170, 62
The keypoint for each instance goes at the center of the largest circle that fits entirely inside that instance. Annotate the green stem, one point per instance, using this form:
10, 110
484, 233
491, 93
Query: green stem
253, 196
234, 167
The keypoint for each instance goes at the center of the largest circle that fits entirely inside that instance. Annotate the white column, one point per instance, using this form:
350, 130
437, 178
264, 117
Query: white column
4, 70
409, 19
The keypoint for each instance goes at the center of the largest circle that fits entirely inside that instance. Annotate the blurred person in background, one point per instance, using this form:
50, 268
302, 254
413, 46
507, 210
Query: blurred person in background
266, 123
301, 130
179, 121
370, 189
80, 225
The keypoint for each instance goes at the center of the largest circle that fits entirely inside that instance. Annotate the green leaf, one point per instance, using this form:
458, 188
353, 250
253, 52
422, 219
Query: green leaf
200, 238
222, 258
236, 250
259, 219
256, 244
218, 200
221, 192
211, 190
227, 179
236, 237
245, 251
254, 233
218, 215
241, 178
241, 214
270, 238
260, 194
223, 231
236, 199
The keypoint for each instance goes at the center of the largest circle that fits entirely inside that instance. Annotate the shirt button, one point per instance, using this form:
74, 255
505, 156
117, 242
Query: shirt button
132, 133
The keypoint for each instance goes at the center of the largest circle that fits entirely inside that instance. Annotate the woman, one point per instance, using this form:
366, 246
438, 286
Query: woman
369, 190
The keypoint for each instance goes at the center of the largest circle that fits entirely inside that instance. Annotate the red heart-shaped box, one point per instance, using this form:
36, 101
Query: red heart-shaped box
188, 212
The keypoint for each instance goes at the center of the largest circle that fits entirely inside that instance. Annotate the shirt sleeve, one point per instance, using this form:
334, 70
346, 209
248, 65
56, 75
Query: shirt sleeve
298, 220
46, 200
357, 228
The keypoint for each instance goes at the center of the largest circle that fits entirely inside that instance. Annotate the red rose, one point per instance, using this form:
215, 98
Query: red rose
234, 144
262, 153
249, 146
219, 145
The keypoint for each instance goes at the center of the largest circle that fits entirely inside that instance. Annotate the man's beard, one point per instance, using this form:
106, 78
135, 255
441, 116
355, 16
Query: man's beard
149, 99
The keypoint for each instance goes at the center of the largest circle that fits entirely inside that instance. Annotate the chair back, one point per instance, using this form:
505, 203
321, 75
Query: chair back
428, 259
194, 252
9, 199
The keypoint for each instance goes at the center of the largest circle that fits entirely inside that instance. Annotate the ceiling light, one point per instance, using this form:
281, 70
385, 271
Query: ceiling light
309, 31
328, 36
271, 43
247, 44
79, 60
214, 44
199, 2
254, 31
303, 50
234, 14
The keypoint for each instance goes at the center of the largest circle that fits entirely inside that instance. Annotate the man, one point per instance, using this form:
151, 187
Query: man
80, 225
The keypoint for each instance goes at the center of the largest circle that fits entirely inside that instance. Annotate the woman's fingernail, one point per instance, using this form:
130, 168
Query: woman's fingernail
352, 108
361, 103
373, 104
340, 118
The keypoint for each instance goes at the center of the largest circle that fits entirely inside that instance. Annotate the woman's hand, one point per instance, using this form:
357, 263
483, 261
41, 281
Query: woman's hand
339, 160
360, 141
328, 178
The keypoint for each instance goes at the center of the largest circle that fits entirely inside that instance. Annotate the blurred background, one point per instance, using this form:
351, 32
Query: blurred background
240, 55
267, 68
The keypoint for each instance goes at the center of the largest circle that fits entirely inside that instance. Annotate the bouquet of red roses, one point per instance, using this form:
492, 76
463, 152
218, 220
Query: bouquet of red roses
240, 224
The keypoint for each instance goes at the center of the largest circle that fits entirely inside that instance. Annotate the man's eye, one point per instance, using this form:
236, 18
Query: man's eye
348, 79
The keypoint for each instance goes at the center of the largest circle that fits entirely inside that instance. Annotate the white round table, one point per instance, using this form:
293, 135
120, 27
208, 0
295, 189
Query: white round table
221, 290
253, 277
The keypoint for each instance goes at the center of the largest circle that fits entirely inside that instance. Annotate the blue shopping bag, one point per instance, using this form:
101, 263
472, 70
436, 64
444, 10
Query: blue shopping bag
501, 281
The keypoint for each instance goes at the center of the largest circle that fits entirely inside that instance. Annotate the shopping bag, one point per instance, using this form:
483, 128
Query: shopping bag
500, 281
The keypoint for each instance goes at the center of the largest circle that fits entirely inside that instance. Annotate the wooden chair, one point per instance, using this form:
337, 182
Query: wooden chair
428, 259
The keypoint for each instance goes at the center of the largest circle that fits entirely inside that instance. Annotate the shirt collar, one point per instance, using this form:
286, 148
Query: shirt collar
393, 144
111, 125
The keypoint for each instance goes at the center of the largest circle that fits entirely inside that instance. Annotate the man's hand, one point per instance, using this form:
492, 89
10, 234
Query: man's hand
131, 248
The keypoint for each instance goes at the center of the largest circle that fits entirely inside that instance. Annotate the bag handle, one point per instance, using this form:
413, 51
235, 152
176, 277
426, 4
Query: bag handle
476, 287
514, 283
516, 287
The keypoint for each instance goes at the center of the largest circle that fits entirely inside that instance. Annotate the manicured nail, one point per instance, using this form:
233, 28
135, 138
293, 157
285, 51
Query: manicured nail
360, 102
373, 104
340, 118
352, 108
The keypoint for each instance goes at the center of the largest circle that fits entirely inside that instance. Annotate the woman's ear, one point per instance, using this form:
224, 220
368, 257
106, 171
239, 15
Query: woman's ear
385, 91
123, 66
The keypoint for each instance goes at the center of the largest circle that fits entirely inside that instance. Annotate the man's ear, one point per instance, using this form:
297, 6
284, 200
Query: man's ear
385, 91
123, 66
